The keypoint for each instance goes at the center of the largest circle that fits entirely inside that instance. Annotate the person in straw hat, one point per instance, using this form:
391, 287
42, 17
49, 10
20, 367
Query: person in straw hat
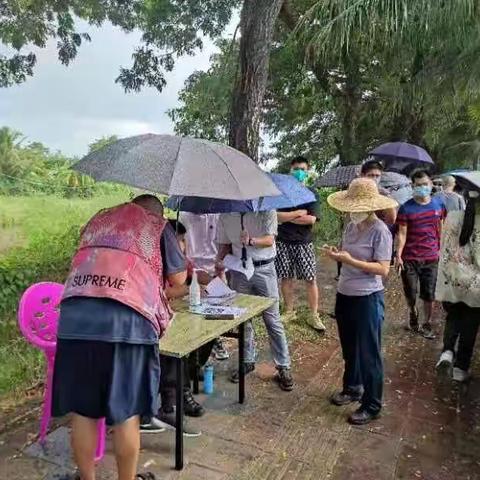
359, 310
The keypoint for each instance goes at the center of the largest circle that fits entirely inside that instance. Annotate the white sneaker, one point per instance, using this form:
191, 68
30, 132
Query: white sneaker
446, 359
460, 375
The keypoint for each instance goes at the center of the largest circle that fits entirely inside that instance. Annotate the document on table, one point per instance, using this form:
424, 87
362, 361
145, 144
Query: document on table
219, 289
231, 262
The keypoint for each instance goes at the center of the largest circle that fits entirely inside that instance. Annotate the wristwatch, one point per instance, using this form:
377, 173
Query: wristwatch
251, 242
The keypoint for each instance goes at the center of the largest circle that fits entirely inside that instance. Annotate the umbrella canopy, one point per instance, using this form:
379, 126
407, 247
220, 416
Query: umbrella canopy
468, 179
174, 165
293, 194
402, 156
339, 176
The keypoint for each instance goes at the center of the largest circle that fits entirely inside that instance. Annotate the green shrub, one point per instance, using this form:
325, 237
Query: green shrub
329, 228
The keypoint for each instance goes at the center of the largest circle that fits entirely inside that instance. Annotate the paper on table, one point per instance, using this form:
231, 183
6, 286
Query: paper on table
234, 263
218, 288
217, 310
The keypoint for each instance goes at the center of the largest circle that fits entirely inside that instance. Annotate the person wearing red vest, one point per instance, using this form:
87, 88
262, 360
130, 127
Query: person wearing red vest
113, 312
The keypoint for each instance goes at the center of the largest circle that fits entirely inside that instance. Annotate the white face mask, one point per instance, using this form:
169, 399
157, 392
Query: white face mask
473, 194
359, 217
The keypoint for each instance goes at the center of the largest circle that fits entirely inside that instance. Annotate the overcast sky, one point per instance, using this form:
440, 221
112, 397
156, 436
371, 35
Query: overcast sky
66, 108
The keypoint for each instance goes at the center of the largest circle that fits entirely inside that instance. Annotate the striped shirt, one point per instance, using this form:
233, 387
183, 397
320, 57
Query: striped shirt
423, 224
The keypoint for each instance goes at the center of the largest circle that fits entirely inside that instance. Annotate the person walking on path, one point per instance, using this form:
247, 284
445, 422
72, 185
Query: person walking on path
296, 259
359, 309
113, 311
452, 200
458, 286
258, 237
419, 229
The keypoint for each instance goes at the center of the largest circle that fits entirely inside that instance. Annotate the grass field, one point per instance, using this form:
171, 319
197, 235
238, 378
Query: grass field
22, 221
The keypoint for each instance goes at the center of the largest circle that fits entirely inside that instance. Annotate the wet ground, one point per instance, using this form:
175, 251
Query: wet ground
430, 428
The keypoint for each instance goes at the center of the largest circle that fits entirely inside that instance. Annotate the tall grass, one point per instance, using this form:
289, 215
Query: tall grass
42, 233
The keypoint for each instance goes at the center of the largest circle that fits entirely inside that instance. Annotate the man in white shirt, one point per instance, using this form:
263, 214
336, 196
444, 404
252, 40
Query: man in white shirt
202, 249
258, 237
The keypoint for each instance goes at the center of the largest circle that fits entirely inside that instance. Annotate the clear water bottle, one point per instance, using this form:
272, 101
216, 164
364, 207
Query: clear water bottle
208, 379
195, 299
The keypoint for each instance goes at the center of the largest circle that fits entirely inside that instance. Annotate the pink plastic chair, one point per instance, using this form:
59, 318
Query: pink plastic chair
38, 314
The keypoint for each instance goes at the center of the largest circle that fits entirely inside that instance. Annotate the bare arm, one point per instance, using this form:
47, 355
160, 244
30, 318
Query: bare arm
285, 217
401, 240
375, 268
263, 242
177, 279
223, 250
305, 220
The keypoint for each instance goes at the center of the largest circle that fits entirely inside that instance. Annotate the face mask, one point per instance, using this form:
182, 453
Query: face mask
358, 217
473, 194
300, 175
422, 191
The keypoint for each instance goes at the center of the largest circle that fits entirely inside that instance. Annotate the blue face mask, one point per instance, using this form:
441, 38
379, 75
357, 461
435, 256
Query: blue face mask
299, 174
422, 191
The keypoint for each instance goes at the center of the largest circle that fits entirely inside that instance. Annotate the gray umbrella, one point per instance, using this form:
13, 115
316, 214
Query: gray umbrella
182, 166
398, 186
339, 176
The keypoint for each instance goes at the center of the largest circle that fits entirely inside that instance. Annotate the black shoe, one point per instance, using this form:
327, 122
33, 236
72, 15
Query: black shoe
191, 407
362, 417
145, 476
235, 375
154, 425
284, 379
170, 421
342, 398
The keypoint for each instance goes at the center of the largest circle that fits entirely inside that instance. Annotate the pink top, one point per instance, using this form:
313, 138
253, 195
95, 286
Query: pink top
119, 257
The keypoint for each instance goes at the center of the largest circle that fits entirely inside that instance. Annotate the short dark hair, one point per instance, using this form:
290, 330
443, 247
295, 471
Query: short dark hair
371, 165
420, 173
149, 202
299, 159
178, 226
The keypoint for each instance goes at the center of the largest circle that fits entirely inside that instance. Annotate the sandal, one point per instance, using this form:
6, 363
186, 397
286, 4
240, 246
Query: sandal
146, 476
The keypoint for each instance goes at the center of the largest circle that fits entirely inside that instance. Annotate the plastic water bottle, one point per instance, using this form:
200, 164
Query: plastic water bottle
195, 299
208, 379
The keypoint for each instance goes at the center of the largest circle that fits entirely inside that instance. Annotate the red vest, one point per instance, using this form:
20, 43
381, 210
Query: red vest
119, 257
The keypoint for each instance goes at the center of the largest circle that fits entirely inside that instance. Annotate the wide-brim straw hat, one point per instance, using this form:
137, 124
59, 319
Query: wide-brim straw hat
362, 196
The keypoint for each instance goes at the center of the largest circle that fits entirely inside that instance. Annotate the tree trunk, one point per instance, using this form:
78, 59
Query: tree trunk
257, 25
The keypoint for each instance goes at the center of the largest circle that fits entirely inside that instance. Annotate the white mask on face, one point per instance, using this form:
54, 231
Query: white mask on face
359, 217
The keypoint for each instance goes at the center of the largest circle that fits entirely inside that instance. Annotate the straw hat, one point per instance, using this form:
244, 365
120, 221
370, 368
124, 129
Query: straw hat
362, 196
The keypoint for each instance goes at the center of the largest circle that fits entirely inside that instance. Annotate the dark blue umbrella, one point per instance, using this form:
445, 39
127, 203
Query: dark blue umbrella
402, 156
293, 194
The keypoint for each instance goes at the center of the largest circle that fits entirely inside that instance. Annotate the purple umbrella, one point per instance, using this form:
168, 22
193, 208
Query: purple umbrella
402, 156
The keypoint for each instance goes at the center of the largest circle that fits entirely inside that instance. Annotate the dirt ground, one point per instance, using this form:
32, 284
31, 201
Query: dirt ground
429, 428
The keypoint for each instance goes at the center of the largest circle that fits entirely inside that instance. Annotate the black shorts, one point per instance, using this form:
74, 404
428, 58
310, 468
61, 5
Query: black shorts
296, 261
417, 272
101, 379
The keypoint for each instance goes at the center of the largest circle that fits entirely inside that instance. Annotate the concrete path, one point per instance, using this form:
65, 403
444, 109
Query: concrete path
430, 428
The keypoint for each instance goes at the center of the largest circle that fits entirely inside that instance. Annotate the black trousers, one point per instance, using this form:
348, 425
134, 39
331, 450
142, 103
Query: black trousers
359, 321
168, 378
462, 323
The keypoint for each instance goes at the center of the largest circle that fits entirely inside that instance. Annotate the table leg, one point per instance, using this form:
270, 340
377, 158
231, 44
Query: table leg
179, 416
196, 388
241, 363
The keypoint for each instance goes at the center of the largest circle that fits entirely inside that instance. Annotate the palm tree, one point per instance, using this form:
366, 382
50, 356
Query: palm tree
11, 161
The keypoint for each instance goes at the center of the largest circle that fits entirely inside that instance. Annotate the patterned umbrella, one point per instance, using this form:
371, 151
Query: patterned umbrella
399, 186
339, 176
174, 165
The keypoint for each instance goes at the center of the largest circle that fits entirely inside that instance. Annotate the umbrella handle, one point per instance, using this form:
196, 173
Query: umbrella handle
244, 248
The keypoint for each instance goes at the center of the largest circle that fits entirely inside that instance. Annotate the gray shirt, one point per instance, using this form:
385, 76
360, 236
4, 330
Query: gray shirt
374, 244
452, 200
256, 224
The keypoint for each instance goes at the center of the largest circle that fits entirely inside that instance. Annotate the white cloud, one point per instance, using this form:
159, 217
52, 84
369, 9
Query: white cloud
66, 108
